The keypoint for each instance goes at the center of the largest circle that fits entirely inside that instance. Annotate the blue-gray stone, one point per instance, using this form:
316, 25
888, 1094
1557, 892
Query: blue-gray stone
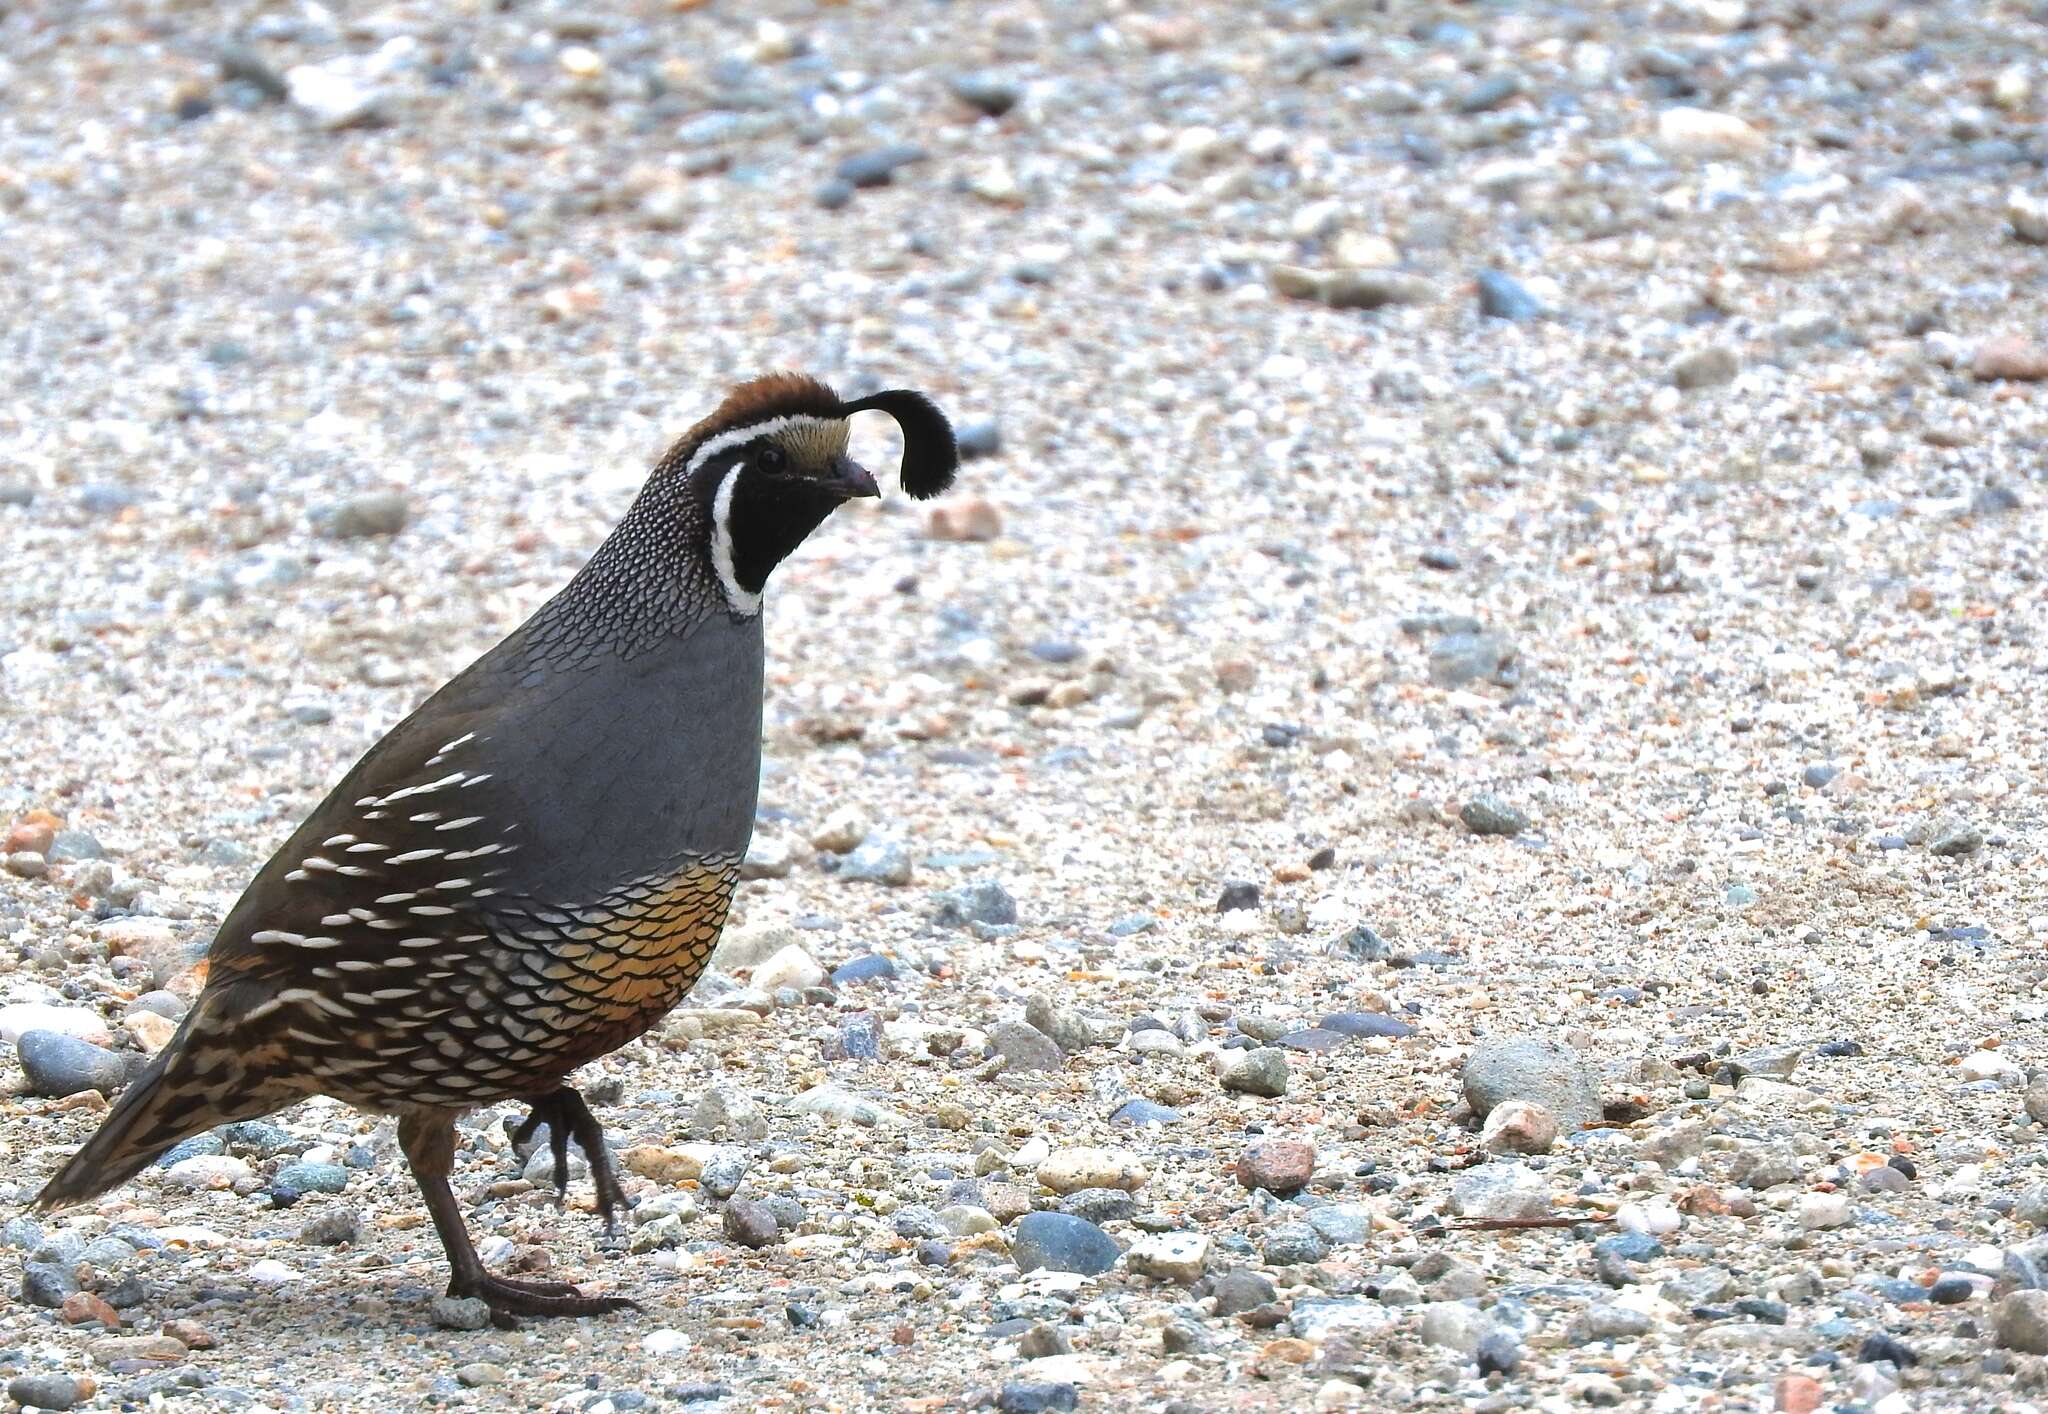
984, 901
877, 862
1143, 1111
1342, 1224
834, 194
1055, 650
1133, 924
46, 1284
1061, 1242
1100, 1205
868, 967
1315, 1038
57, 1065
1630, 1246
1498, 1352
1502, 296
981, 439
22, 1233
877, 167
1294, 1244
1362, 944
312, 1178
45, 1391
1029, 1397
258, 1138
1365, 1023
73, 845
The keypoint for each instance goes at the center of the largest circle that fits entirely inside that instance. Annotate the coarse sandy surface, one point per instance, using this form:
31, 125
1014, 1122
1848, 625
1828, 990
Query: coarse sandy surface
1548, 494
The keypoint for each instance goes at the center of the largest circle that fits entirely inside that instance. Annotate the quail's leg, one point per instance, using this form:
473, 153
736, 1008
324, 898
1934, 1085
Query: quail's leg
568, 1117
428, 1139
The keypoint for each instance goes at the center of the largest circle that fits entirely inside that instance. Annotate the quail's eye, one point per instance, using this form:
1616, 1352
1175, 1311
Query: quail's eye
772, 459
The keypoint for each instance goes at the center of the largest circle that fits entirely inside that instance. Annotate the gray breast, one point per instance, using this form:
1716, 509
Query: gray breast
632, 764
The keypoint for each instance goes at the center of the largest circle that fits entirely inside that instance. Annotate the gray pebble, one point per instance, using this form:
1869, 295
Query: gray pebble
46, 1283
1258, 1072
1100, 1205
45, 1391
1061, 1242
722, 1176
1541, 1071
1461, 658
877, 167
877, 862
833, 195
1024, 1047
992, 94
1294, 1245
331, 1228
1068, 1029
1142, 1111
750, 1224
1241, 1291
1606, 1322
1955, 841
57, 1065
375, 513
459, 1313
1704, 368
1490, 815
984, 901
312, 1178
1502, 296
976, 440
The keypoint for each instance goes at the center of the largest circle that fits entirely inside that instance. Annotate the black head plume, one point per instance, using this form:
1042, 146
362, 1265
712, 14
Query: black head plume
930, 456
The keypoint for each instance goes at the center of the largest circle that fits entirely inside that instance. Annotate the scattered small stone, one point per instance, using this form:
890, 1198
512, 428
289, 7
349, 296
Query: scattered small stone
1956, 841
965, 519
1293, 1245
1069, 1170
1282, 1167
332, 1227
1170, 1256
1709, 367
1061, 1242
1037, 1397
749, 1223
2021, 1321
878, 166
991, 94
2009, 357
459, 1313
1705, 134
1542, 1072
877, 862
50, 1391
57, 1065
377, 513
1500, 1190
1259, 1072
1024, 1047
1502, 296
1518, 1127
985, 901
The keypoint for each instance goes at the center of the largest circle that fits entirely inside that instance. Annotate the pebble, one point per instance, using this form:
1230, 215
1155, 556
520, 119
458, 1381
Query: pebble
1258, 1072
1282, 1167
1461, 658
842, 830
2021, 1322
1490, 815
18, 1018
1169, 1256
1143, 1111
50, 1391
209, 1171
479, 1373
1539, 1071
2009, 357
790, 967
990, 94
1293, 1244
877, 862
459, 1313
1069, 1030
878, 167
1502, 296
1500, 1190
57, 1065
1518, 1127
984, 438
376, 513
868, 967
1956, 841
964, 520
749, 1223
1069, 1170
1024, 1047
1705, 134
1607, 1322
1061, 1242
985, 901
332, 1227
118, 1350
313, 1178
1037, 1397
1824, 1210
1710, 367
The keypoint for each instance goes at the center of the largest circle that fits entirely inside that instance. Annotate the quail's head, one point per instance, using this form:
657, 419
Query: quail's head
771, 463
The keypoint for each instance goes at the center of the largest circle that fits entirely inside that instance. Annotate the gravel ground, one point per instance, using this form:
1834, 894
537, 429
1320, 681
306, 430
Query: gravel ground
1501, 584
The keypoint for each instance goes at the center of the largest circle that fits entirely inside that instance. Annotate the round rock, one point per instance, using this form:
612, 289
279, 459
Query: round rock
1062, 1243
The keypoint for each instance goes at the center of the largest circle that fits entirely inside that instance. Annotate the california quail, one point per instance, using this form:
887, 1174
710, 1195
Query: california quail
533, 867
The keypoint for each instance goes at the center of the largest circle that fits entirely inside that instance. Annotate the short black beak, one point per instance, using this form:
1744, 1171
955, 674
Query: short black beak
851, 480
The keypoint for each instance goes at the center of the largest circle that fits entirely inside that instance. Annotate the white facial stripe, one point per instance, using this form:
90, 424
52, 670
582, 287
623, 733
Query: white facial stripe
742, 602
712, 446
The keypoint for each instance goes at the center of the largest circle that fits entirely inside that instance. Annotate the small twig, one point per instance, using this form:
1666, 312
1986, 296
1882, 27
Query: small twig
1515, 1224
